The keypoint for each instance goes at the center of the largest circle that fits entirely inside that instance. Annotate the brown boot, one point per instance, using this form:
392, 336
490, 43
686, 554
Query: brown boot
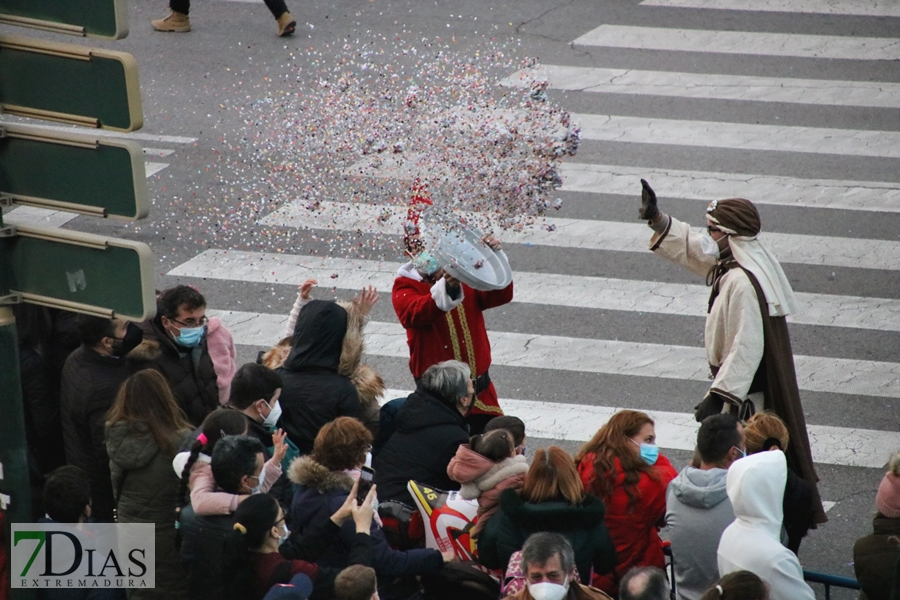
286, 25
176, 22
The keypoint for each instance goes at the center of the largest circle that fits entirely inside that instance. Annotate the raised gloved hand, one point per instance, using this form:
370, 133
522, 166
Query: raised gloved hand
709, 406
648, 209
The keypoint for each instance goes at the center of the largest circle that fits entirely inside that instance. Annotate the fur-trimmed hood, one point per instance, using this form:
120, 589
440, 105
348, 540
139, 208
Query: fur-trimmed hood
508, 468
369, 384
308, 472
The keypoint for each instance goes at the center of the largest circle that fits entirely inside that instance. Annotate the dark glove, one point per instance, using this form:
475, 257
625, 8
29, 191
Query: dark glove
709, 406
648, 208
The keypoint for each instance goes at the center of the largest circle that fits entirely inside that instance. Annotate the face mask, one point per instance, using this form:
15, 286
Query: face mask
547, 590
262, 477
273, 416
649, 452
283, 538
709, 246
134, 335
743, 453
424, 262
190, 336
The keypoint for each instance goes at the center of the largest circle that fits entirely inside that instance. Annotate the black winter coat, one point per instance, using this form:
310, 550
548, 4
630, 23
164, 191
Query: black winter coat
324, 493
189, 371
426, 437
582, 525
90, 382
313, 392
874, 557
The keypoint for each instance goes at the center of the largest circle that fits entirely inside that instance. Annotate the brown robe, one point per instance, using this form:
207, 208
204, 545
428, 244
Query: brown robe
782, 396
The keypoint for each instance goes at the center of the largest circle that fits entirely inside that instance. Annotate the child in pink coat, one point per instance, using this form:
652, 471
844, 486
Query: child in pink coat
486, 466
220, 345
194, 468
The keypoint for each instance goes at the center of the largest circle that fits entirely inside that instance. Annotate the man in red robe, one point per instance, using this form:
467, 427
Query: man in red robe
444, 318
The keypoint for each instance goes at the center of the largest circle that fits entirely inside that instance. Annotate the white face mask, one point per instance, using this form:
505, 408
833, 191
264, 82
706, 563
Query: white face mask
273, 416
283, 538
262, 477
709, 246
547, 590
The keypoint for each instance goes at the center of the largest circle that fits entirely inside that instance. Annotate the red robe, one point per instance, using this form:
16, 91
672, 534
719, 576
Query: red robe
459, 334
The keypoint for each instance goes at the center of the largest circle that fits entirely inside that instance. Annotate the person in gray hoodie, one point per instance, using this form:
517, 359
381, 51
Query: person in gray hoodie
697, 506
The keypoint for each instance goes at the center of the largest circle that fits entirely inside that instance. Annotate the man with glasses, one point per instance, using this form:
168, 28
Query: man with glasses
748, 346
175, 345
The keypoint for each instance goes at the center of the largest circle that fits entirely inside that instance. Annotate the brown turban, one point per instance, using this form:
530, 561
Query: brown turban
735, 215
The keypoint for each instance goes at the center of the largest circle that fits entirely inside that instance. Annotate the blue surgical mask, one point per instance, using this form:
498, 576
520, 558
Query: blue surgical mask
189, 337
649, 452
283, 538
424, 262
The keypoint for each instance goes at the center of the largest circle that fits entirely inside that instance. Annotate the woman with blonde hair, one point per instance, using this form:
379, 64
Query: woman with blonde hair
144, 429
766, 431
552, 499
622, 466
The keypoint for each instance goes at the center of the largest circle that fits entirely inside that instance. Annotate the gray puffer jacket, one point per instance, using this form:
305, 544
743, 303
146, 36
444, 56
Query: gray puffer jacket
697, 512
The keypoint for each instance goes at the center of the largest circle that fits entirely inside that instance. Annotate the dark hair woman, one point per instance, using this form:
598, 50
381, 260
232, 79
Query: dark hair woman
254, 564
552, 499
622, 466
144, 429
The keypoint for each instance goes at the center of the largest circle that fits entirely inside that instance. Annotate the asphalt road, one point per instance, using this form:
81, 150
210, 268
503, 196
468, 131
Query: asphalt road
222, 85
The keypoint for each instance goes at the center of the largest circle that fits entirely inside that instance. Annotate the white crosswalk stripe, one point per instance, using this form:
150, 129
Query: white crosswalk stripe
744, 136
869, 196
826, 371
539, 288
743, 42
710, 85
578, 423
593, 235
817, 374
867, 8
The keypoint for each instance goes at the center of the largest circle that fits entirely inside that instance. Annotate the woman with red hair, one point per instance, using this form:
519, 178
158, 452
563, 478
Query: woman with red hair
622, 466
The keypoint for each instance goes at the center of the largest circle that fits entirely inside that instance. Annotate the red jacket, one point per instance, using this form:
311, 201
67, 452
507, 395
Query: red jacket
459, 334
635, 532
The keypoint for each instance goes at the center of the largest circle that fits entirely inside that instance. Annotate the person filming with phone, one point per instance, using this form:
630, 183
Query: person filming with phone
328, 476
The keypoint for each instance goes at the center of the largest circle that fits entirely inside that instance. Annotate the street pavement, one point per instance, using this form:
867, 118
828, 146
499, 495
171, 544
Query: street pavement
790, 103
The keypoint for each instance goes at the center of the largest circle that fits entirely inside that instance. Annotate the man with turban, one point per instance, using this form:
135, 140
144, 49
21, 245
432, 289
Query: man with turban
747, 341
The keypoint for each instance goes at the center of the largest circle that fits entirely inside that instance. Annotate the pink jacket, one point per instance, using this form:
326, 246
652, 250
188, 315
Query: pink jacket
223, 354
206, 502
483, 479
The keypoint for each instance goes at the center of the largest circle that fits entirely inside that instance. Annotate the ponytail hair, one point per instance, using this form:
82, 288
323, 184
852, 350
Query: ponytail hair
223, 421
495, 445
253, 520
739, 585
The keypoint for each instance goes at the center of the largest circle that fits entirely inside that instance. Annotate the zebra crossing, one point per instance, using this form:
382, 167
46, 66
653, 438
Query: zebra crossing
850, 386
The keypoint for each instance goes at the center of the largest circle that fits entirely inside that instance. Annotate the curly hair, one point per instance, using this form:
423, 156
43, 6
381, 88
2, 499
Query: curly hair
342, 444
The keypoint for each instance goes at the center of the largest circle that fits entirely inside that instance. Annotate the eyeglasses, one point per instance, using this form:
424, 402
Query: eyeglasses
192, 322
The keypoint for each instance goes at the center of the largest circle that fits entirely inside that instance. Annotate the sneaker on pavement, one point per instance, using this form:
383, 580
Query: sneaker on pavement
286, 25
176, 22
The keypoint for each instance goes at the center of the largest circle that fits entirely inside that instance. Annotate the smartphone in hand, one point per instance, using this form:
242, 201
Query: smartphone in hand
366, 475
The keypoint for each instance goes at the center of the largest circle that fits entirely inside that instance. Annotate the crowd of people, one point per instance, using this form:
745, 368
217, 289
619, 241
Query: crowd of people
286, 478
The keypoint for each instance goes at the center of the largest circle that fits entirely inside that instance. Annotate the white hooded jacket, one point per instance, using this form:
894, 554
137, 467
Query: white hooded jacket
755, 487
